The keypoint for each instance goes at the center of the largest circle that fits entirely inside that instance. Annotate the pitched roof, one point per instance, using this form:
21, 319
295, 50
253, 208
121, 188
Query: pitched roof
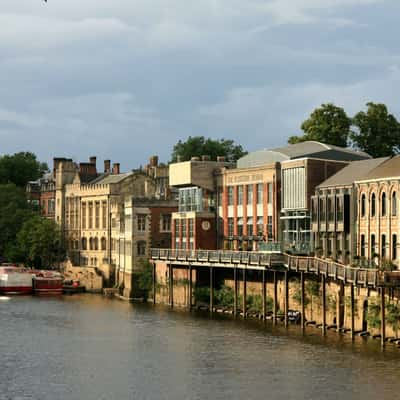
389, 169
310, 149
106, 179
356, 170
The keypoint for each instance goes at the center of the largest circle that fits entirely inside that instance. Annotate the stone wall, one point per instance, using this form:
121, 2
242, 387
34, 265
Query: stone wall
89, 277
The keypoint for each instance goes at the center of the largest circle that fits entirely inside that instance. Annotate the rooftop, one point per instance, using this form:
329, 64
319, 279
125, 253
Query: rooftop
388, 169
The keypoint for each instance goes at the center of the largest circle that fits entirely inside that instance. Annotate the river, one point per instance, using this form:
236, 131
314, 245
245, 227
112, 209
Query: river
87, 347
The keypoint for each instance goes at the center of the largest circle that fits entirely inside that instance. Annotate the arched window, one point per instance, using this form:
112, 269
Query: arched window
373, 205
383, 204
394, 247
394, 204
363, 205
141, 248
103, 243
91, 244
96, 243
84, 243
383, 246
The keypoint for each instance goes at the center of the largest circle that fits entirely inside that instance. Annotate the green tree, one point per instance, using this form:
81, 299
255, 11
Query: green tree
327, 124
198, 146
376, 131
20, 168
38, 243
145, 278
14, 212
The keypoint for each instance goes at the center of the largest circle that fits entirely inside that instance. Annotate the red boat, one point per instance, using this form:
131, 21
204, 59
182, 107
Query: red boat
47, 282
15, 280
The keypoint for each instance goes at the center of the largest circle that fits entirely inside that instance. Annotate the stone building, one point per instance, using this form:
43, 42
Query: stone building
378, 213
334, 212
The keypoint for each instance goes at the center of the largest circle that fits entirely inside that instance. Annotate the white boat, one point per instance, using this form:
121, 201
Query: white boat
15, 280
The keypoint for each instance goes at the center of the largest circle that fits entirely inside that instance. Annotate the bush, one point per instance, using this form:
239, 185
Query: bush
225, 296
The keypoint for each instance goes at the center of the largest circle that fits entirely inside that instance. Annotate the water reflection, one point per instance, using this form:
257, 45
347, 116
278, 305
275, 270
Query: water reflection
87, 347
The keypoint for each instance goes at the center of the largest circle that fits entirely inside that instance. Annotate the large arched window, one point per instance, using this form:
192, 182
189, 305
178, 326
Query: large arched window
383, 204
84, 243
363, 205
373, 205
91, 244
103, 243
96, 243
394, 204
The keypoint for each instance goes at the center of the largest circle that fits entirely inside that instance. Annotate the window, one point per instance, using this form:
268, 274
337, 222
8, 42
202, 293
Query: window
230, 195
166, 222
270, 228
322, 209
141, 248
141, 222
84, 243
83, 215
260, 189
97, 214
191, 227
373, 243
373, 205
103, 243
91, 244
176, 227
104, 214
184, 233
362, 245
269, 193
331, 209
249, 194
394, 247
260, 225
394, 204
219, 196
90, 215
230, 226
240, 195
250, 226
191, 199
96, 243
240, 226
383, 246
339, 208
383, 204
363, 205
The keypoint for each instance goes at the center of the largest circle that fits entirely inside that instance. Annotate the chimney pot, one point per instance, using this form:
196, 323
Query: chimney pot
116, 168
153, 161
107, 166
92, 160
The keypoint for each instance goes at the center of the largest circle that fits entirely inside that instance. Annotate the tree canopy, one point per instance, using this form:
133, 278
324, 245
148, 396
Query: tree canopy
38, 243
327, 124
376, 131
20, 168
197, 146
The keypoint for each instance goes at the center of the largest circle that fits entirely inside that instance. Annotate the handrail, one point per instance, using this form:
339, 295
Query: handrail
315, 265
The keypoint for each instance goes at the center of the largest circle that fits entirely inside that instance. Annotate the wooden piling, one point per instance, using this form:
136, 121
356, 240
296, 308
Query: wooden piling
323, 282
154, 283
275, 299
244, 292
235, 292
286, 298
303, 317
264, 296
171, 285
211, 289
190, 295
352, 309
383, 318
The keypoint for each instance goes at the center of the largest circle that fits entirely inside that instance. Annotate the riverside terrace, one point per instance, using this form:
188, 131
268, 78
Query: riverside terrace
277, 263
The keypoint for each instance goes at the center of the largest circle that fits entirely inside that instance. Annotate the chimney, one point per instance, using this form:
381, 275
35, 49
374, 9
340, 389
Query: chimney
115, 169
107, 166
92, 160
205, 158
153, 161
221, 158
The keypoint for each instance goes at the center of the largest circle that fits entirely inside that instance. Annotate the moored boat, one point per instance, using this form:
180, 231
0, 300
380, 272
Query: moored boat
15, 280
47, 282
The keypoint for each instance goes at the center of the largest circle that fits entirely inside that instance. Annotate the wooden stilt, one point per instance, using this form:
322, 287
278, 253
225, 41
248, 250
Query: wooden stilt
383, 318
244, 292
154, 283
352, 309
323, 283
286, 299
264, 295
303, 317
235, 293
275, 298
190, 295
211, 289
171, 285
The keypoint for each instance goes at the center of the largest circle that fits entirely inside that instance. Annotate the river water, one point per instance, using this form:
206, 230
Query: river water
87, 347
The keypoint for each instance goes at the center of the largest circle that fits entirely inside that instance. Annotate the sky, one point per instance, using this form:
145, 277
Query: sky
126, 79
